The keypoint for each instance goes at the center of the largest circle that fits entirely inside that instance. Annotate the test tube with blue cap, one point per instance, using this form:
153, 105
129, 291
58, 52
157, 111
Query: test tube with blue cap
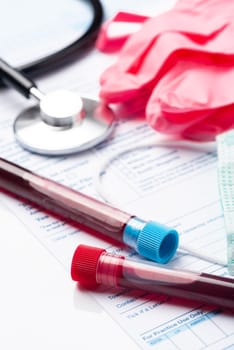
150, 239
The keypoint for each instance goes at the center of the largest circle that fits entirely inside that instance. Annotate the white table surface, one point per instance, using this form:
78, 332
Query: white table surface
40, 306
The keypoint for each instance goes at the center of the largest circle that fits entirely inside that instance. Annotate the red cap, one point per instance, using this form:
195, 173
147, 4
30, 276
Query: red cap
84, 264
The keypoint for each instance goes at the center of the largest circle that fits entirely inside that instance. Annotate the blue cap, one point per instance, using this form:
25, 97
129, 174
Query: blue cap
151, 240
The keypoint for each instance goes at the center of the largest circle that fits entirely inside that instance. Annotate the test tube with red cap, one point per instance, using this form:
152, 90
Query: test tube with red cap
93, 266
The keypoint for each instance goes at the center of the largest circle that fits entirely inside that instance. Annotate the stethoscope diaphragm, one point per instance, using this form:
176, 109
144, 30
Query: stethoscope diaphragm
61, 122
94, 123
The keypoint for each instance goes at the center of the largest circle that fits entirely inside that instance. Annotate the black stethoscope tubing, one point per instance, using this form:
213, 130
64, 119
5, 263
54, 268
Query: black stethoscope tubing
68, 53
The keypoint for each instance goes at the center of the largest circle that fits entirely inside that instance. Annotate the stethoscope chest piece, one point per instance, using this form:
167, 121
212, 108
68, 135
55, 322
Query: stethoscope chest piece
61, 122
49, 130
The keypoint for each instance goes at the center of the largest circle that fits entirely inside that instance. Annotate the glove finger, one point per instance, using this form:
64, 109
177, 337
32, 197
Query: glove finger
195, 86
190, 23
201, 125
117, 85
210, 127
173, 123
190, 100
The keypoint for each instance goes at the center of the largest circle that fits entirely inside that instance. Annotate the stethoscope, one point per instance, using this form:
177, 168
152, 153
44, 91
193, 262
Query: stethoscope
61, 122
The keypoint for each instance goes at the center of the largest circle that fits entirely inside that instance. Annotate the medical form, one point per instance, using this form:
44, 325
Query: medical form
175, 184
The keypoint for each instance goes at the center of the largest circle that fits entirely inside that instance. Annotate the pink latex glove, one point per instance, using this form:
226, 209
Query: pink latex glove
180, 66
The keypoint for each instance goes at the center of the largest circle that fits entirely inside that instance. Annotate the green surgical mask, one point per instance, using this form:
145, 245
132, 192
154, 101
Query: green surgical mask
225, 149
